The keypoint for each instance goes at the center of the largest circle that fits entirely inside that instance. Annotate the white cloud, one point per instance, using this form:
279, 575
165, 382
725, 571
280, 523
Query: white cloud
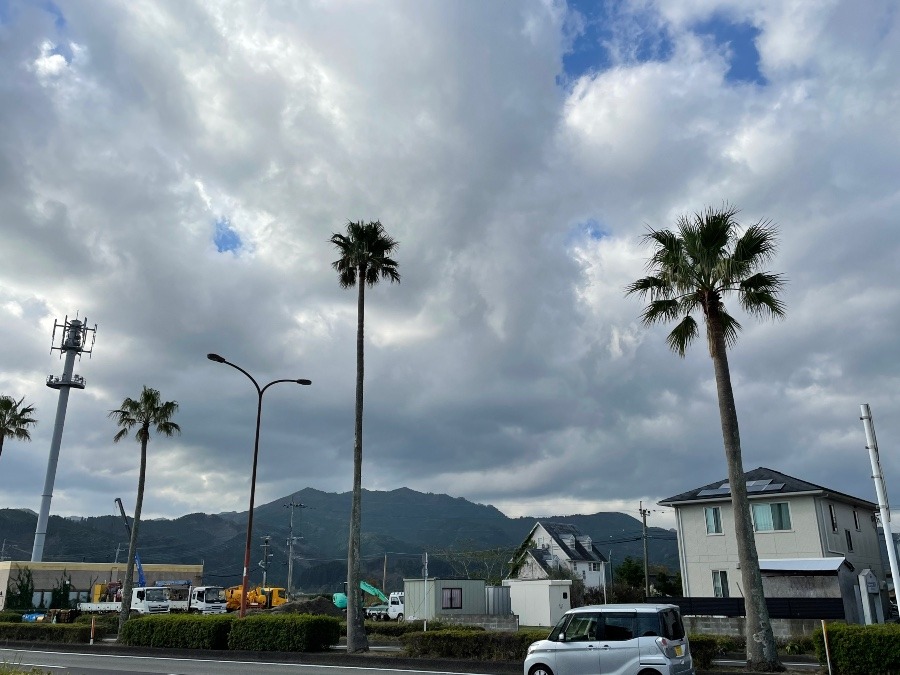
507, 366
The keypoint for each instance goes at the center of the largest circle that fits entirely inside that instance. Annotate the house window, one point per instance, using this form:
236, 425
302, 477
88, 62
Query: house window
833, 514
849, 540
720, 583
713, 519
769, 517
595, 567
856, 519
451, 598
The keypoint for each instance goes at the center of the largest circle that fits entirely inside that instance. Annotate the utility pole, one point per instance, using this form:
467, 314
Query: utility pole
290, 542
74, 337
264, 563
881, 492
644, 513
384, 575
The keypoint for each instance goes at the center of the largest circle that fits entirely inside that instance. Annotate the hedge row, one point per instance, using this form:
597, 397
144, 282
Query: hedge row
10, 616
703, 649
861, 650
260, 632
45, 632
178, 631
104, 624
481, 645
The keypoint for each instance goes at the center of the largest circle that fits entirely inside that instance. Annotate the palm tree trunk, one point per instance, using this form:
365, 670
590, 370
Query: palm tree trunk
356, 629
2, 436
762, 655
132, 545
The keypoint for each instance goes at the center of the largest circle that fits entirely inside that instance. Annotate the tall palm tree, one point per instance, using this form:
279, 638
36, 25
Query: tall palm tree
15, 420
365, 259
692, 270
145, 412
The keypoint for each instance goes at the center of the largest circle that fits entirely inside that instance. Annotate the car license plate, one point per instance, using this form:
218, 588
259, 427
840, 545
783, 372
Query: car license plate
679, 650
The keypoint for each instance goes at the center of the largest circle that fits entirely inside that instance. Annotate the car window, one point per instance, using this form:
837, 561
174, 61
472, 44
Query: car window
618, 627
582, 628
648, 625
672, 626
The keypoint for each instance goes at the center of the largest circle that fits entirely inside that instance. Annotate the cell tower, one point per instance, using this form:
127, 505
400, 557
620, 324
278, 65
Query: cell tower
72, 344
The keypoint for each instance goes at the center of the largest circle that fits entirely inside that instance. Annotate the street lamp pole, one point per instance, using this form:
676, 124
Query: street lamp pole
259, 392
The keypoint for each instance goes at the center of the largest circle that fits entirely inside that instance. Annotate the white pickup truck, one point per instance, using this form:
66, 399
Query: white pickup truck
144, 600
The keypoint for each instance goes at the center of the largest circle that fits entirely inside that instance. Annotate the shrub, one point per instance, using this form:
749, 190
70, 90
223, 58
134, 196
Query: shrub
8, 616
704, 649
104, 624
45, 632
481, 645
178, 631
14, 669
861, 650
285, 633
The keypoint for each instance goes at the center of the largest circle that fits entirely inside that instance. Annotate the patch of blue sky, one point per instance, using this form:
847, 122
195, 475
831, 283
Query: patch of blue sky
53, 8
225, 238
586, 229
8, 12
607, 33
739, 41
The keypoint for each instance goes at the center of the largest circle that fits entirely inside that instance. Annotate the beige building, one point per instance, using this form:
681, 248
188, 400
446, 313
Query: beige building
792, 519
50, 575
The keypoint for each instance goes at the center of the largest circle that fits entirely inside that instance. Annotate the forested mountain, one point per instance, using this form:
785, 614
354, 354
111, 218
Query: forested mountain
398, 527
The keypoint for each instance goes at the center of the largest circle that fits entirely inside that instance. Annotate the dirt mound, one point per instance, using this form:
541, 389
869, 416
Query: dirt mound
317, 605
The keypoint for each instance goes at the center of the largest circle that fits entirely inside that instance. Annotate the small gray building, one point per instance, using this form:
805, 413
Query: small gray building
440, 599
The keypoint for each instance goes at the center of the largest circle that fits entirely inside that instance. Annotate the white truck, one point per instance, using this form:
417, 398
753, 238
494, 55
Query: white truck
197, 599
395, 606
144, 600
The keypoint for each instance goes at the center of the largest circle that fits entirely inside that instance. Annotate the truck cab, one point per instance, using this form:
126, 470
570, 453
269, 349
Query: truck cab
207, 600
395, 606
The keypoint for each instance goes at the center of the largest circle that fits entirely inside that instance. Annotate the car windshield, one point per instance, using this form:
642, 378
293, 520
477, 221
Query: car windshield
215, 595
157, 594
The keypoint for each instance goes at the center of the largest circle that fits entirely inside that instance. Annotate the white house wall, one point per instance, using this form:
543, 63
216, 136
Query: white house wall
810, 536
539, 602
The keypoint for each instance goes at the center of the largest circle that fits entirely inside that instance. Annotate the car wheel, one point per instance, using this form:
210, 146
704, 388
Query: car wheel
540, 669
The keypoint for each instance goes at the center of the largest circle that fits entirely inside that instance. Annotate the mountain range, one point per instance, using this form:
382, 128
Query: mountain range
398, 527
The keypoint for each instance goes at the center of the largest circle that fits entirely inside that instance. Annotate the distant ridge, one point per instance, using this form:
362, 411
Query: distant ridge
398, 526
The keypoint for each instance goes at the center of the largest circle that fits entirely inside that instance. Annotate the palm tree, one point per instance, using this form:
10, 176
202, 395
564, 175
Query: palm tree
146, 412
692, 270
15, 420
364, 251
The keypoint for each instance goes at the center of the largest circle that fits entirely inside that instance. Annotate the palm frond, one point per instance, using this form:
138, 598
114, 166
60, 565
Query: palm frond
759, 295
682, 335
364, 254
730, 327
660, 311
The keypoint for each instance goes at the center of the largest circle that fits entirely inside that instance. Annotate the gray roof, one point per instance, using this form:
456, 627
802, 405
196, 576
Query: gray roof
762, 482
576, 551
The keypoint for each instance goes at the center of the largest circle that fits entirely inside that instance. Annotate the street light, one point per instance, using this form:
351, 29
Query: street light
259, 392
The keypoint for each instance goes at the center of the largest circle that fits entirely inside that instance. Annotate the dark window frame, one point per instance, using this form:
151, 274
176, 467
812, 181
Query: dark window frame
451, 598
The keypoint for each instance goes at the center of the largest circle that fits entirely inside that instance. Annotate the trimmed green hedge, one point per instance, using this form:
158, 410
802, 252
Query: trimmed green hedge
480, 645
105, 624
285, 633
396, 628
178, 631
45, 632
10, 616
703, 649
861, 650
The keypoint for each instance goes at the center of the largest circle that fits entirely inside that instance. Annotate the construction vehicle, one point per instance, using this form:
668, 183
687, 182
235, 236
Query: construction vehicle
107, 598
194, 599
392, 607
257, 598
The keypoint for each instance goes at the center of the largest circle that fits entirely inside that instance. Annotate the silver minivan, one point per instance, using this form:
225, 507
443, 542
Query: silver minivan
638, 639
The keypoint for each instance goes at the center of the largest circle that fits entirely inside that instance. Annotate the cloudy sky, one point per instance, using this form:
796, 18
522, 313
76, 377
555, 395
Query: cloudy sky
173, 170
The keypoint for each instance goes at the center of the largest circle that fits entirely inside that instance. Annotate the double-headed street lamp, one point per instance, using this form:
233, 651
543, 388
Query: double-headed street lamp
259, 392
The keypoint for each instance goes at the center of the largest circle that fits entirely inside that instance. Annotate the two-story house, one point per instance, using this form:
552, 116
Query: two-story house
554, 546
797, 526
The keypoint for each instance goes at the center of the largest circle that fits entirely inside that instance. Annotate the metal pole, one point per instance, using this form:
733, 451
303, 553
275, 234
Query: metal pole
245, 580
880, 490
40, 534
644, 513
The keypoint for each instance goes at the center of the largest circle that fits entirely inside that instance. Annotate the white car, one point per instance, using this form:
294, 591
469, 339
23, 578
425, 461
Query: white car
638, 639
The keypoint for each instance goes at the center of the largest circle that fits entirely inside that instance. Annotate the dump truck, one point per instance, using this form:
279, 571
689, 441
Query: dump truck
257, 598
107, 598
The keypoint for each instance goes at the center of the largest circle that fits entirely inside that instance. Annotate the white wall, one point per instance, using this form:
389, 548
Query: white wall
539, 602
